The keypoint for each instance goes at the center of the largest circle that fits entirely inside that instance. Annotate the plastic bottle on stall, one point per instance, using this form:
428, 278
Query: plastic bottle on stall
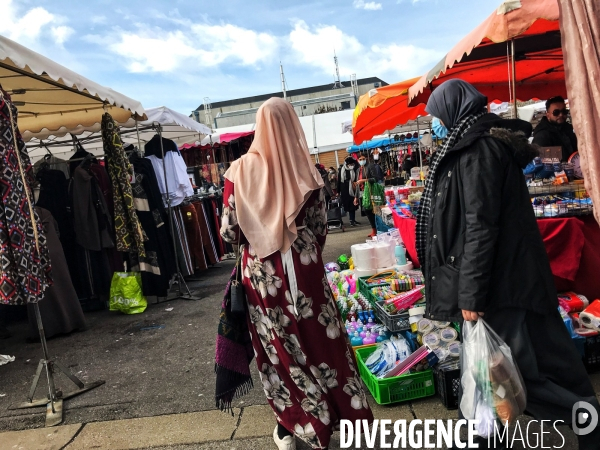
369, 339
382, 337
352, 314
356, 340
400, 253
370, 324
363, 333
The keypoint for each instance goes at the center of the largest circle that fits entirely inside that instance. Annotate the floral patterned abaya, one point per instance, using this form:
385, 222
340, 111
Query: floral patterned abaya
306, 365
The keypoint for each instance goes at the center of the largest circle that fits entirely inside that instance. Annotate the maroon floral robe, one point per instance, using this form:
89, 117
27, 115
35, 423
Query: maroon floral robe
306, 365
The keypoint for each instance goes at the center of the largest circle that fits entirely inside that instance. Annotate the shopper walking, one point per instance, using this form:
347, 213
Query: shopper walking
346, 188
482, 251
366, 174
274, 203
332, 177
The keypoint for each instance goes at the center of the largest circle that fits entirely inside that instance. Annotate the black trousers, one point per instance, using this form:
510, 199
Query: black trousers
371, 216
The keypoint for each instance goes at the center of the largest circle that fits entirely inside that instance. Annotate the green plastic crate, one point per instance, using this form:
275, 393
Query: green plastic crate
365, 289
396, 389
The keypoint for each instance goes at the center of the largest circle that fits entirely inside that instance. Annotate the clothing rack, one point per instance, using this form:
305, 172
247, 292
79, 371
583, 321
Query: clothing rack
188, 295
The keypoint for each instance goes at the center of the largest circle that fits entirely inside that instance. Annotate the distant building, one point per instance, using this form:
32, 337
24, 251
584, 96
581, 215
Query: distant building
306, 102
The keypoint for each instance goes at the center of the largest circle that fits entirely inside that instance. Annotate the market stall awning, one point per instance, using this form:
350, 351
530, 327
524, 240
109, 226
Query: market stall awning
175, 126
216, 139
54, 100
383, 109
481, 57
382, 143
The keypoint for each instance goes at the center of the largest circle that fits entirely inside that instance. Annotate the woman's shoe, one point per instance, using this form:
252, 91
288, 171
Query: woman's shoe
373, 233
287, 443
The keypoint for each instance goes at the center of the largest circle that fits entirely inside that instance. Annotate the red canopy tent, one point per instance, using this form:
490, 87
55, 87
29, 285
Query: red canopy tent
520, 41
383, 109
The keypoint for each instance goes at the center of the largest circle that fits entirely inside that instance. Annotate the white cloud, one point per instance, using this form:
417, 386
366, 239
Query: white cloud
371, 6
315, 47
61, 33
193, 45
26, 27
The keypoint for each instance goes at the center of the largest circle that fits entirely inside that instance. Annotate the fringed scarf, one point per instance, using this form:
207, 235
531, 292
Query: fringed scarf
234, 353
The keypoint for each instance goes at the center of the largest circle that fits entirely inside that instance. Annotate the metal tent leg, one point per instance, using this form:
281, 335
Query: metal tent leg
55, 397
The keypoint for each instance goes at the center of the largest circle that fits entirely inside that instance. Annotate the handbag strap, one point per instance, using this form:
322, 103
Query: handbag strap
238, 256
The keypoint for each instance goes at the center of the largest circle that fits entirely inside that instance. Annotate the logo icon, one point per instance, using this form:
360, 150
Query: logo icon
585, 418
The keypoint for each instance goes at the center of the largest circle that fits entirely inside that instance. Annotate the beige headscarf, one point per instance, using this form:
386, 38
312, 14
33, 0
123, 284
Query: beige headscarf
274, 179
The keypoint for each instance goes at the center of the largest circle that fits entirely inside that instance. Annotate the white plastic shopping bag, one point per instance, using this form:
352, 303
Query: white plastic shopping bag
492, 386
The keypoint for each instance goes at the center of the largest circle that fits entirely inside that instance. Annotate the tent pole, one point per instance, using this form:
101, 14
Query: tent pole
419, 147
54, 398
514, 78
137, 131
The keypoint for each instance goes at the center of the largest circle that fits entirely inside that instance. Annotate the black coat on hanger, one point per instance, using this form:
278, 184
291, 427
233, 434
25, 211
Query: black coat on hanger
152, 147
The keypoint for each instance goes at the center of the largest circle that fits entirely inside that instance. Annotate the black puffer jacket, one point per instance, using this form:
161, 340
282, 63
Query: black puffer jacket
548, 134
484, 249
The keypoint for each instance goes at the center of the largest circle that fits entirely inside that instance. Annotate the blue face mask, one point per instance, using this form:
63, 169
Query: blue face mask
440, 130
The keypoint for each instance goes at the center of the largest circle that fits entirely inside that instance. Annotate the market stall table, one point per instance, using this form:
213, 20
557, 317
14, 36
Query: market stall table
572, 244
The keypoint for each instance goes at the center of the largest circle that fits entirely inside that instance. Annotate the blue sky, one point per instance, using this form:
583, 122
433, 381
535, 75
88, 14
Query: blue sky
175, 53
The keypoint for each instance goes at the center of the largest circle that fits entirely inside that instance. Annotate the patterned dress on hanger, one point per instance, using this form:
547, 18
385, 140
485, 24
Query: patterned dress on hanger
24, 253
306, 365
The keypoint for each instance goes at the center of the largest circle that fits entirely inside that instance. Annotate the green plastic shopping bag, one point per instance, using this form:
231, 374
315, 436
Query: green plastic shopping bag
377, 194
366, 199
126, 293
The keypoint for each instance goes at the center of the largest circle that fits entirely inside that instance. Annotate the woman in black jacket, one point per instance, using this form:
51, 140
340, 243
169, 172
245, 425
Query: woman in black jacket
483, 254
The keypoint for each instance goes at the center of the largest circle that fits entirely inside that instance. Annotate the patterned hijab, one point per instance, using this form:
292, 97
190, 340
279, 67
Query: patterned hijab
458, 105
274, 179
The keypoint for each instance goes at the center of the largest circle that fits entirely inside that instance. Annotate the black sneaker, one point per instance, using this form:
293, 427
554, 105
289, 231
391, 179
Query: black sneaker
352, 224
356, 223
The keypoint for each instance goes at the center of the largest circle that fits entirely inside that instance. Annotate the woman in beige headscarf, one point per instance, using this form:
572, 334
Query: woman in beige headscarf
274, 207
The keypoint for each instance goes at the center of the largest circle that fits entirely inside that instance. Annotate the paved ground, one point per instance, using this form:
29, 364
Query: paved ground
159, 389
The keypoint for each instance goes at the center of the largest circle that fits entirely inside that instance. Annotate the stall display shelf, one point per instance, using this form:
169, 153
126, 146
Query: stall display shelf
563, 200
395, 389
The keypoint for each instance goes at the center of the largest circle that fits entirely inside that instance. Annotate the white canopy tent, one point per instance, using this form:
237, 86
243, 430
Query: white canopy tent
175, 126
53, 100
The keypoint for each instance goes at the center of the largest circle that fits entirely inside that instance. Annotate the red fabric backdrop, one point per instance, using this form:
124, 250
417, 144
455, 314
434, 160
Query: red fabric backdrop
573, 246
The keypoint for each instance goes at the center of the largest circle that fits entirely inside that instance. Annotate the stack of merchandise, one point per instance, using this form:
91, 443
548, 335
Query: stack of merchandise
582, 319
403, 200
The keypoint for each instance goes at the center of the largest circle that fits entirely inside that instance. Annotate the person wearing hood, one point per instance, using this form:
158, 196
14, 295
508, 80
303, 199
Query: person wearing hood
346, 188
332, 178
329, 194
554, 130
483, 256
274, 208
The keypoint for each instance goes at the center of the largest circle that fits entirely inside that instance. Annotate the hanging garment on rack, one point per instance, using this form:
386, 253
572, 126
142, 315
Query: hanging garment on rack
182, 246
90, 213
195, 235
216, 224
75, 160
207, 235
177, 182
159, 246
130, 236
25, 261
54, 197
60, 309
115, 257
54, 163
